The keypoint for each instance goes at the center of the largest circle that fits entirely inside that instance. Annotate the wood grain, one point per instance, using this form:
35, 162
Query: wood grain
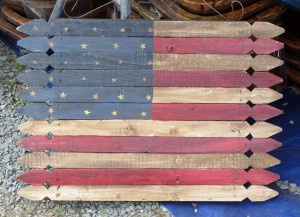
150, 128
166, 112
157, 45
159, 78
214, 62
140, 28
131, 144
145, 95
13, 17
149, 193
72, 160
149, 177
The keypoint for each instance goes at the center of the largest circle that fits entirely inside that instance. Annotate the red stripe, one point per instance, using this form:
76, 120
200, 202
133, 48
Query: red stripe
193, 112
215, 45
121, 144
148, 177
165, 78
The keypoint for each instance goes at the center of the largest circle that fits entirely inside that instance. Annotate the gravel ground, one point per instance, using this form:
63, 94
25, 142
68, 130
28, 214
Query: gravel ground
13, 205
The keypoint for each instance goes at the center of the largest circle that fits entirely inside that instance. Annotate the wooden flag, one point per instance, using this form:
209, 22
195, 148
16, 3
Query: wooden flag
145, 160
144, 61
131, 144
150, 95
149, 193
167, 112
148, 28
150, 128
149, 177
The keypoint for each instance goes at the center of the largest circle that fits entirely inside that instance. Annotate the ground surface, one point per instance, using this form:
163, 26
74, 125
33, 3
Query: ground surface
12, 205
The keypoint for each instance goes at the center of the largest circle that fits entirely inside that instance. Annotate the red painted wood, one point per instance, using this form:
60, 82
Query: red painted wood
215, 45
165, 78
133, 144
191, 112
148, 177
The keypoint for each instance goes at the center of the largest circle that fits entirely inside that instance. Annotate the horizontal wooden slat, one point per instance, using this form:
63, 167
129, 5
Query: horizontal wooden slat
148, 28
145, 95
149, 193
143, 61
74, 160
149, 45
168, 112
148, 78
149, 177
184, 145
150, 128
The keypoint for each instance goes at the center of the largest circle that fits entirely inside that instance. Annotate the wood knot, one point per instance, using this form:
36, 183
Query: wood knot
171, 48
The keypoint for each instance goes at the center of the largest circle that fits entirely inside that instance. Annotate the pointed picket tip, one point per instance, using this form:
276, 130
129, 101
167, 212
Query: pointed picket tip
266, 62
262, 177
263, 161
35, 27
38, 160
266, 30
34, 78
35, 43
33, 192
34, 143
34, 177
265, 112
267, 145
264, 96
266, 46
39, 128
265, 79
35, 60
264, 130
261, 193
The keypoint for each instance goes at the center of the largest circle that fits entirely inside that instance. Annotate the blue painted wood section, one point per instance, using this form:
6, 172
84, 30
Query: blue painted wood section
88, 111
88, 94
89, 78
67, 44
101, 61
90, 27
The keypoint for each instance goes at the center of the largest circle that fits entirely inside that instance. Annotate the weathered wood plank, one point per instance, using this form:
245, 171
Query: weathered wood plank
214, 62
89, 94
74, 160
148, 78
139, 61
183, 145
145, 95
167, 112
149, 177
149, 193
148, 28
148, 45
88, 111
150, 128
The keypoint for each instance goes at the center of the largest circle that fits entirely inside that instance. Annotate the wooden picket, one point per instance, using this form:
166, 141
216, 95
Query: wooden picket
130, 144
149, 192
145, 160
144, 61
167, 112
149, 177
149, 78
149, 110
147, 28
150, 128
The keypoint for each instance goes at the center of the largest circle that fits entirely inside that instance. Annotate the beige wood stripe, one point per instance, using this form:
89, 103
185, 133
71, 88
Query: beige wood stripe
149, 193
214, 62
214, 95
215, 29
144, 161
151, 128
